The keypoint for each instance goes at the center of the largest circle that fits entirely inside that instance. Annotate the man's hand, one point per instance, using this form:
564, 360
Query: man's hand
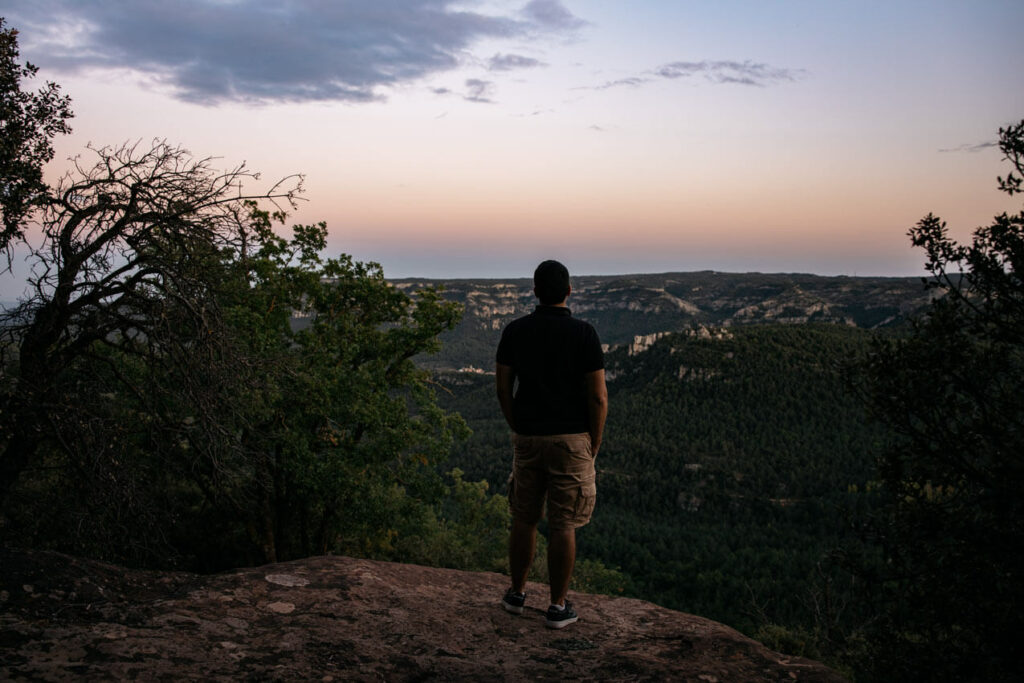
597, 407
504, 379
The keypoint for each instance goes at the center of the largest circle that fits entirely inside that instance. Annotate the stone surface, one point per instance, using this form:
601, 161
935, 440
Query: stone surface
338, 618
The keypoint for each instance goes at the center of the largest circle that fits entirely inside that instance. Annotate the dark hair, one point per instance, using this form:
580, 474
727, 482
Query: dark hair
551, 281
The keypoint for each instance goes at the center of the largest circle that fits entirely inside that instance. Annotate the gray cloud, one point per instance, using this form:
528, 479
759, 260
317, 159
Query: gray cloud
212, 51
966, 147
552, 15
501, 62
479, 91
630, 82
741, 73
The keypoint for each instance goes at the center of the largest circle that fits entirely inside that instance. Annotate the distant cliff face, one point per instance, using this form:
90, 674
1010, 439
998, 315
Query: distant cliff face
626, 307
342, 619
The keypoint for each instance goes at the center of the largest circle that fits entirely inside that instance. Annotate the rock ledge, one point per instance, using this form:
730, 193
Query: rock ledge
338, 618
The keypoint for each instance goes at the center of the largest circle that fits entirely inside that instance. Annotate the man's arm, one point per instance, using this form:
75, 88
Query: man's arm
597, 407
504, 379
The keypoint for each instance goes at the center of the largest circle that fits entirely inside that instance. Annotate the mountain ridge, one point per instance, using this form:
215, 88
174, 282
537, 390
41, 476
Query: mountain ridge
625, 307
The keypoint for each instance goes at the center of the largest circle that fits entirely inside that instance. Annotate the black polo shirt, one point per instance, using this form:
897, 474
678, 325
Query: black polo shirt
549, 352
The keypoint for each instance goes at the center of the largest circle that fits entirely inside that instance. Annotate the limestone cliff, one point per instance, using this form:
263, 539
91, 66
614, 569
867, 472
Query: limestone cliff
343, 619
625, 307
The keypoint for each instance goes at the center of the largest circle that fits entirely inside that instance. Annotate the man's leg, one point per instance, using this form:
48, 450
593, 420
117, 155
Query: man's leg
561, 561
522, 543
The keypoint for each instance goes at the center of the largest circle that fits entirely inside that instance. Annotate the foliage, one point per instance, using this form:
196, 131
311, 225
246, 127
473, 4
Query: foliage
468, 529
28, 123
352, 416
181, 367
124, 301
954, 393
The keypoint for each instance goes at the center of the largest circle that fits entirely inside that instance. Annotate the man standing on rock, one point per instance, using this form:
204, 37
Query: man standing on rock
557, 415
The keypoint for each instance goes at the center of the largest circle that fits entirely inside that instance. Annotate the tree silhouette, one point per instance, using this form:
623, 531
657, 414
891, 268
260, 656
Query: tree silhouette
129, 262
28, 123
954, 393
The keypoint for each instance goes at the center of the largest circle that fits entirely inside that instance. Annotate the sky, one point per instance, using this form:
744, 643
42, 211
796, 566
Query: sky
474, 139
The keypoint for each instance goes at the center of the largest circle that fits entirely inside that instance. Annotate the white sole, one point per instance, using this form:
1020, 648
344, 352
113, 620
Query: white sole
560, 624
512, 609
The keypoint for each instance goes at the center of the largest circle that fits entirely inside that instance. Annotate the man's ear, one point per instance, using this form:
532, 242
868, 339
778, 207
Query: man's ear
569, 292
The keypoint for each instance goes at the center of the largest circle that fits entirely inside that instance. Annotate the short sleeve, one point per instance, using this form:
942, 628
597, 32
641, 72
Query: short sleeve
593, 356
505, 354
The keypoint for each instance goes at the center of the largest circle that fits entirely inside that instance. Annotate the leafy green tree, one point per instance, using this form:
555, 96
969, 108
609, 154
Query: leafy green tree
179, 366
954, 393
348, 434
467, 529
28, 124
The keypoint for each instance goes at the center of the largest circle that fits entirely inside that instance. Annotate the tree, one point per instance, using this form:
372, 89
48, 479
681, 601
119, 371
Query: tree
28, 124
180, 366
130, 269
953, 391
346, 435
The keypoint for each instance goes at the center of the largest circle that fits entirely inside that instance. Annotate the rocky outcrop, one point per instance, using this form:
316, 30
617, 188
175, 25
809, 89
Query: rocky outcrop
337, 618
623, 307
642, 342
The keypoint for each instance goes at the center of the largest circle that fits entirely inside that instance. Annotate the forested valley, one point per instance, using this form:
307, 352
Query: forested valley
737, 463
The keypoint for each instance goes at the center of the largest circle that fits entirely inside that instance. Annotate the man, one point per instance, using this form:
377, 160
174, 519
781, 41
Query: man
557, 415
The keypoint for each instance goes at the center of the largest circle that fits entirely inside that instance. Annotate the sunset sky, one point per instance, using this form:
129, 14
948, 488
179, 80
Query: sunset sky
473, 139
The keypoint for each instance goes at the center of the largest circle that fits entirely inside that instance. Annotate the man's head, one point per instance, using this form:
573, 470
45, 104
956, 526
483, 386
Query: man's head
551, 283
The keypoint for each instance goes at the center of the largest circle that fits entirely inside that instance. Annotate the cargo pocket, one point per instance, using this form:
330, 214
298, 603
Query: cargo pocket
585, 501
513, 502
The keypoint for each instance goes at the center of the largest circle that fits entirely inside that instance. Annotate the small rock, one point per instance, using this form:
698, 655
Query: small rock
27, 588
287, 580
4, 596
281, 607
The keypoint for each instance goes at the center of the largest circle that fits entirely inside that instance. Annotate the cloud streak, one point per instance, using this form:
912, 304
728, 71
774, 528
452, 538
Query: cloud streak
966, 147
718, 72
500, 62
629, 82
212, 51
727, 71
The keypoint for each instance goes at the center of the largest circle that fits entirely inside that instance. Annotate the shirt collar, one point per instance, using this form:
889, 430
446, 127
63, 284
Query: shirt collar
553, 310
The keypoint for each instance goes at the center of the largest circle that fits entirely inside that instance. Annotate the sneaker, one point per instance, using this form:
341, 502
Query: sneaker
560, 618
513, 602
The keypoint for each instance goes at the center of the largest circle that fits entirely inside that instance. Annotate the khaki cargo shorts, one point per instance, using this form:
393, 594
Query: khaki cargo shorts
559, 468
